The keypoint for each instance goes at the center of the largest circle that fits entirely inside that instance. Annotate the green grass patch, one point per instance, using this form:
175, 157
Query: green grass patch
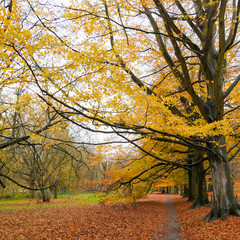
63, 200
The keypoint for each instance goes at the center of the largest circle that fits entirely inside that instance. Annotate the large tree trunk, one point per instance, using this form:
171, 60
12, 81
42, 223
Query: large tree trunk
198, 182
224, 201
190, 192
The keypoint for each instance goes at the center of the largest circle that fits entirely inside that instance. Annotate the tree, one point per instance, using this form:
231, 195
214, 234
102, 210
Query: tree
197, 180
22, 116
173, 78
39, 165
22, 125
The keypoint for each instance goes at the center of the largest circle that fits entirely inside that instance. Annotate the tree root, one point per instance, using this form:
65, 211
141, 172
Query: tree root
214, 214
197, 204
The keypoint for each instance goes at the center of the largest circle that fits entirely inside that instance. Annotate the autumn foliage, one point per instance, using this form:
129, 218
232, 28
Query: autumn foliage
161, 78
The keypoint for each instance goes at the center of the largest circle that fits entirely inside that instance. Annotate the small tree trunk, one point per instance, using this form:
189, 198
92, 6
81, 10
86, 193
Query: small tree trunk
176, 189
43, 194
181, 190
55, 191
32, 185
224, 201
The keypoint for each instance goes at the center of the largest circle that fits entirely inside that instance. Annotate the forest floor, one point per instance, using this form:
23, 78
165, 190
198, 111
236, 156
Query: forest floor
158, 217
194, 228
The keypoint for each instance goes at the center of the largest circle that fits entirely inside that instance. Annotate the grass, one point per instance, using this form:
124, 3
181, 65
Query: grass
63, 200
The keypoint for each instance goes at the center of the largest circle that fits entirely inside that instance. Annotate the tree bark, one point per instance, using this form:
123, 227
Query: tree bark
32, 185
184, 190
43, 194
190, 192
198, 182
55, 192
224, 201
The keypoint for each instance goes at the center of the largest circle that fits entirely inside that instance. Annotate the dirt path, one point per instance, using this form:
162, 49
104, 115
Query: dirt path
174, 232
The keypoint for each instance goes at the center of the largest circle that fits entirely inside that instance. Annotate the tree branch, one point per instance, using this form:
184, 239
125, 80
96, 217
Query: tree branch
190, 22
23, 186
233, 85
235, 23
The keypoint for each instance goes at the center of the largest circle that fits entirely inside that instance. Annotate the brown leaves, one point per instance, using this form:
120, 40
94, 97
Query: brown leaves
194, 228
147, 219
141, 221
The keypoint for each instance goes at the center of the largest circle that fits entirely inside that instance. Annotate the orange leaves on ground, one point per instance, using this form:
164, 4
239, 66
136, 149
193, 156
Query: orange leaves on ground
147, 219
194, 228
141, 221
